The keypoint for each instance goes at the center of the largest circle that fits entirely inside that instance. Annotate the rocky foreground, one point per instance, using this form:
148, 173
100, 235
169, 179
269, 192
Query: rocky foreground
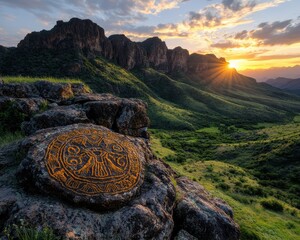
86, 171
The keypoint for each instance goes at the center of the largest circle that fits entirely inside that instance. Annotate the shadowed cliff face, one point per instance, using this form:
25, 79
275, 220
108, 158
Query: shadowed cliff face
76, 34
88, 38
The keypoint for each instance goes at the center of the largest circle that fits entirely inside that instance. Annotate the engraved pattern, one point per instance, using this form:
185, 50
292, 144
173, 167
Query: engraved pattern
90, 162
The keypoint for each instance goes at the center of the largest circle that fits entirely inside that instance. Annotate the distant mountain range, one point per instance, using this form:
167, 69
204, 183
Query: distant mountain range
183, 91
292, 85
262, 75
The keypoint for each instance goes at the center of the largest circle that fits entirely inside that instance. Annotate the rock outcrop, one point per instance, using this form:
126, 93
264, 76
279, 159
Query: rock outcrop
65, 104
198, 63
76, 34
157, 53
87, 172
201, 215
128, 54
178, 60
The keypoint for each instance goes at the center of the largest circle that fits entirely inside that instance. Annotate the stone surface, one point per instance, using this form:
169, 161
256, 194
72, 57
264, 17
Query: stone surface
42, 89
126, 116
28, 106
132, 119
54, 91
184, 235
57, 116
48, 104
86, 164
201, 215
103, 112
17, 90
146, 216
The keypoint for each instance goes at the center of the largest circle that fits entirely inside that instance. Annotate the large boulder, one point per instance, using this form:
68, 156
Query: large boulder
86, 164
27, 106
17, 90
57, 116
126, 116
54, 92
201, 215
113, 188
132, 119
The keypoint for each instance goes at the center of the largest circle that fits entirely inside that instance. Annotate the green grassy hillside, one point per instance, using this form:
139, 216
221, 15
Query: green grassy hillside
178, 101
255, 171
270, 153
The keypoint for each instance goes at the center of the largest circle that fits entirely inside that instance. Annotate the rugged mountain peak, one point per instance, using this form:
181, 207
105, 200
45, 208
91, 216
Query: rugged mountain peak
75, 34
178, 59
156, 53
126, 53
198, 63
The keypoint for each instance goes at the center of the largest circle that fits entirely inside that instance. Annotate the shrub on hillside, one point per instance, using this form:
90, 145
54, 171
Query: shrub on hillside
272, 204
10, 118
223, 186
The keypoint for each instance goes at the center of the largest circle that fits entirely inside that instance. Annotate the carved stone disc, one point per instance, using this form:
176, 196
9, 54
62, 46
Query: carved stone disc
91, 162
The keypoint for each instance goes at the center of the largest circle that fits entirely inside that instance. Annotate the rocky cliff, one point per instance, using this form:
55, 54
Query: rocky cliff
76, 34
88, 38
86, 171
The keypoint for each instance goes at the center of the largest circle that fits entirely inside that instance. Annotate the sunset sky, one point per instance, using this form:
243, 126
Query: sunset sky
249, 33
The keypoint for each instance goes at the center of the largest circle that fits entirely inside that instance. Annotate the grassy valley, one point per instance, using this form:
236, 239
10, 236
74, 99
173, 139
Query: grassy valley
255, 170
176, 101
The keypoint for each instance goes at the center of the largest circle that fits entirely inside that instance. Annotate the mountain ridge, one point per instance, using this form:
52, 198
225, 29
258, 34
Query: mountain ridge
288, 84
90, 38
263, 75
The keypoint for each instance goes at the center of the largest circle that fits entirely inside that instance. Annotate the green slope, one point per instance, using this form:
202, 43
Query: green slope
175, 101
245, 168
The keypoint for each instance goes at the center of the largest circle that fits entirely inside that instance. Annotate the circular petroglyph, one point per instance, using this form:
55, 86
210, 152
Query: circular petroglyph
90, 162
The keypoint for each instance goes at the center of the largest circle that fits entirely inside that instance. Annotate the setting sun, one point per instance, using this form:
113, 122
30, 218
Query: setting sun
233, 64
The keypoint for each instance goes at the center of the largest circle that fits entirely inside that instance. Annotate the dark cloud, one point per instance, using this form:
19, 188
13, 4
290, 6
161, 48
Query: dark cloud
45, 5
210, 17
224, 45
217, 15
276, 33
117, 11
113, 15
237, 5
241, 35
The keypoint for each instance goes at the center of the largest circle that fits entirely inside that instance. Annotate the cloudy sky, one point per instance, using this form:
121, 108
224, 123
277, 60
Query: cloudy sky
249, 33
